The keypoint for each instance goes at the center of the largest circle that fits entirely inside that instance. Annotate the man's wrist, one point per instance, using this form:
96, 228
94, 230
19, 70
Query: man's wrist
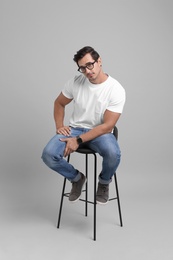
79, 140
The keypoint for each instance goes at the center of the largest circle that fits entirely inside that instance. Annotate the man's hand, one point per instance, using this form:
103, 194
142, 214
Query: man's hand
71, 145
64, 130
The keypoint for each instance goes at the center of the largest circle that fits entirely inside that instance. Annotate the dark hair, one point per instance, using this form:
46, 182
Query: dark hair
82, 52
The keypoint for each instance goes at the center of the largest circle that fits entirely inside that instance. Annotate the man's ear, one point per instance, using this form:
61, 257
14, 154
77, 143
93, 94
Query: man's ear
100, 61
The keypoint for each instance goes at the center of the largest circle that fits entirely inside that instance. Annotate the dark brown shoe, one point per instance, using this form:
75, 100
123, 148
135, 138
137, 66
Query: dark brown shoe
77, 189
102, 195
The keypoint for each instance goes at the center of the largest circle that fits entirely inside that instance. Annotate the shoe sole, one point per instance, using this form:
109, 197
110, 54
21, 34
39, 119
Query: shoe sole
101, 203
73, 201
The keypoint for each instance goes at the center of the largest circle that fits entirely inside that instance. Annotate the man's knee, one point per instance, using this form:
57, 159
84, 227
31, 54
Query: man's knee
49, 157
113, 156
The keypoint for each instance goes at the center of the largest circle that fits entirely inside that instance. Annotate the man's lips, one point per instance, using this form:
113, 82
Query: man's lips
90, 75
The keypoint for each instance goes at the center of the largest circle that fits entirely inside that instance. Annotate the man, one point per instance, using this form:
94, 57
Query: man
98, 103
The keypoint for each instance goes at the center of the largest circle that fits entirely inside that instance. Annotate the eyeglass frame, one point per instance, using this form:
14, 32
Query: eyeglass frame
84, 67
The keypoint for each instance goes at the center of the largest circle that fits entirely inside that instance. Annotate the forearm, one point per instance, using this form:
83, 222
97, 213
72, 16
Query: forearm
110, 120
95, 132
59, 112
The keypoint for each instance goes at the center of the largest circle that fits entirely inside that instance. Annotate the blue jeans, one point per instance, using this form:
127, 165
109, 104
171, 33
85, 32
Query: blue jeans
106, 145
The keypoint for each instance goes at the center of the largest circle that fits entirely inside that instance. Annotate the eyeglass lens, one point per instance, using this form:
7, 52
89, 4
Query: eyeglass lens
89, 66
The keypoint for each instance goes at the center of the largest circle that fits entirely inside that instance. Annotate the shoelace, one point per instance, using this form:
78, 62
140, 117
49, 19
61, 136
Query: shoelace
103, 188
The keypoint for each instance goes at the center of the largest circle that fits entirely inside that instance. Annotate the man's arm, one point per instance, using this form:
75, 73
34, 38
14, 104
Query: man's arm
59, 112
110, 120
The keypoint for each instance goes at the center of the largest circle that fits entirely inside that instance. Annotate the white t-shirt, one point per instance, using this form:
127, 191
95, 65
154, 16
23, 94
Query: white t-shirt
91, 100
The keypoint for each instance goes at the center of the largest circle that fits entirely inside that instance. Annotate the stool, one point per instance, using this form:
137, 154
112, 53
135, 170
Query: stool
87, 152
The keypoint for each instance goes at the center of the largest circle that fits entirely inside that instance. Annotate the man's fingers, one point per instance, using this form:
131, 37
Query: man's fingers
71, 145
67, 152
66, 130
63, 139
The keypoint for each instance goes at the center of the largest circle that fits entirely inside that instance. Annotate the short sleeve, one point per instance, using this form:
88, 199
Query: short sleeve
117, 99
67, 91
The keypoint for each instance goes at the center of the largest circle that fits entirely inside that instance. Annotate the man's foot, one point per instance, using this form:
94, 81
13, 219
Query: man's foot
102, 194
77, 189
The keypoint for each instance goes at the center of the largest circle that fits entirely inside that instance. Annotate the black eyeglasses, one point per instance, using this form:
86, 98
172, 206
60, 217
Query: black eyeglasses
89, 65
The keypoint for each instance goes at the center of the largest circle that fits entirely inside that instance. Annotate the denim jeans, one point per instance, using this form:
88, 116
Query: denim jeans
106, 145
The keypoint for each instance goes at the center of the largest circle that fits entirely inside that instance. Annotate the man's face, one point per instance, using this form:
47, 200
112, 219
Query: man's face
91, 74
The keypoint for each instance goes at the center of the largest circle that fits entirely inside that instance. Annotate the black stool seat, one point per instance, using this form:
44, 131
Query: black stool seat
85, 150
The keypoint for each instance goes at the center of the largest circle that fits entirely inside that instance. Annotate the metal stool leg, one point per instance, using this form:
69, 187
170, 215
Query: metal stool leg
118, 200
95, 183
62, 198
86, 185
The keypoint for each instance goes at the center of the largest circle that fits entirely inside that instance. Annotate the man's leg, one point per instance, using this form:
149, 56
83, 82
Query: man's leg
107, 146
53, 157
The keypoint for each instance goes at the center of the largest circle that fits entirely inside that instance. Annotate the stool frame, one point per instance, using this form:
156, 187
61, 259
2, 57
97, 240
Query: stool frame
88, 152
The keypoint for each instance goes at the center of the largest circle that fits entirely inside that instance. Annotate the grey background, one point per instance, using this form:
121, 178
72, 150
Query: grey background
38, 41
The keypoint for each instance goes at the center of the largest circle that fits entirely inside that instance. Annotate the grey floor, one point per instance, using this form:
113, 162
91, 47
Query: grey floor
28, 223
